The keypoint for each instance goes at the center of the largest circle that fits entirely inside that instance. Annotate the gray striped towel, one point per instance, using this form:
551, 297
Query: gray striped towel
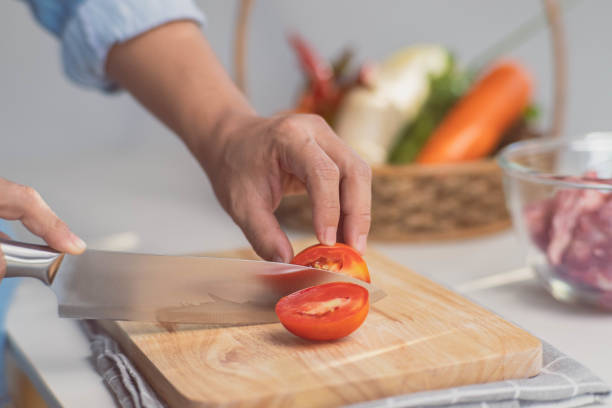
123, 381
563, 382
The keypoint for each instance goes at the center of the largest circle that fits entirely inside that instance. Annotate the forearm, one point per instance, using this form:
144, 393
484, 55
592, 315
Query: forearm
173, 72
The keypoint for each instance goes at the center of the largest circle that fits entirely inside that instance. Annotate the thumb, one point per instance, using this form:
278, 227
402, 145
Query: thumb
264, 233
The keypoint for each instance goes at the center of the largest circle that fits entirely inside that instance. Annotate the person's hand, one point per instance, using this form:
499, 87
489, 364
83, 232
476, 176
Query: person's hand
23, 203
253, 161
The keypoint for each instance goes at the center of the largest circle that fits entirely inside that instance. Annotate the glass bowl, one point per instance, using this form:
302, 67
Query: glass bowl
558, 193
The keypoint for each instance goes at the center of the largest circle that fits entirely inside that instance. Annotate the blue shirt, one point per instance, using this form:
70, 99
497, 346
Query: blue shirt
7, 287
88, 29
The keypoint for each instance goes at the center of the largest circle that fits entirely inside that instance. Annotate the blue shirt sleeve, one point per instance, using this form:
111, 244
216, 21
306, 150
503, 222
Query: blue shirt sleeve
7, 287
88, 29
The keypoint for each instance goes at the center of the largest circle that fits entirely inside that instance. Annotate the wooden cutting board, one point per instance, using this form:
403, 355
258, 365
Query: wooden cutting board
420, 337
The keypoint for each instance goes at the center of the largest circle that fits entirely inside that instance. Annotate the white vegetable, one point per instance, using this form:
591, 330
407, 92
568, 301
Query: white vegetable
370, 118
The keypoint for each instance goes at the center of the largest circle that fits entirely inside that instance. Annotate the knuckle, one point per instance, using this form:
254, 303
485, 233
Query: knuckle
316, 119
360, 212
329, 204
366, 217
326, 170
47, 228
362, 170
235, 209
361, 220
28, 194
289, 135
57, 224
289, 124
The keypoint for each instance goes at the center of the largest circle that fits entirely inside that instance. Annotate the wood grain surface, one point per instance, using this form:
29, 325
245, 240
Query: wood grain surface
420, 337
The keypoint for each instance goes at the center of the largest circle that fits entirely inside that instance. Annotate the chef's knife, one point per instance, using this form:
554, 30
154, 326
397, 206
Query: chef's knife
185, 289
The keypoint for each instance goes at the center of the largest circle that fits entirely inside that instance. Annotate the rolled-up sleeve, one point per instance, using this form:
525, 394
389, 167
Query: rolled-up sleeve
89, 28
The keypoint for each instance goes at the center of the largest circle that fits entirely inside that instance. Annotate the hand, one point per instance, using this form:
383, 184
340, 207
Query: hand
252, 162
23, 203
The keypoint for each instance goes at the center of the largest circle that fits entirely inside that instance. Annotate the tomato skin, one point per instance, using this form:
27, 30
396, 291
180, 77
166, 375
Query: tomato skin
324, 312
336, 258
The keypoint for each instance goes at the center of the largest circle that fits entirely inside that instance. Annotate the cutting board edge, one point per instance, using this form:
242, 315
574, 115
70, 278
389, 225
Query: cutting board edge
538, 354
176, 397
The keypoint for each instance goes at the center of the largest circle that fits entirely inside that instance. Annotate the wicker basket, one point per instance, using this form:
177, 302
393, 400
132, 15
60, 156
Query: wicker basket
425, 203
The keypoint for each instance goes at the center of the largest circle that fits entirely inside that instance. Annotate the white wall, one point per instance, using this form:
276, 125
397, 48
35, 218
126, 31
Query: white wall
42, 113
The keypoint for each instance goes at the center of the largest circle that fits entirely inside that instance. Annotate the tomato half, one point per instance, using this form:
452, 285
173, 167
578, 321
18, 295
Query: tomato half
337, 258
324, 312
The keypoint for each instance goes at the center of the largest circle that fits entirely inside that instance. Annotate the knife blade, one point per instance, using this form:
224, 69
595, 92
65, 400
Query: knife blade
163, 288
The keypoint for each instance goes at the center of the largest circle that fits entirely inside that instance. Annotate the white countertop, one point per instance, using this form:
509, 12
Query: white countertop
154, 198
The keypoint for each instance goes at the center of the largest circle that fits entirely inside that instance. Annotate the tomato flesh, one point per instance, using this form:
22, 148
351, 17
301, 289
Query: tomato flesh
336, 258
324, 312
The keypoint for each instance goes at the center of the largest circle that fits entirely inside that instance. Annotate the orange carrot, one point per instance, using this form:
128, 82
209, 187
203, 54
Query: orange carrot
474, 126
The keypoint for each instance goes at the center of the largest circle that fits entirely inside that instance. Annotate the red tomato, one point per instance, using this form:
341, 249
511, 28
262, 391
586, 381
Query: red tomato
324, 312
337, 258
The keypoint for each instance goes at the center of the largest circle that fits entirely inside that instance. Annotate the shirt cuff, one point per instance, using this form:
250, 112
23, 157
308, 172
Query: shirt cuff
97, 25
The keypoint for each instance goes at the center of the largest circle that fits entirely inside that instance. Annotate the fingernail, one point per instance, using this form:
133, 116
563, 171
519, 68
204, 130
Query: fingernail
78, 244
278, 258
361, 243
329, 236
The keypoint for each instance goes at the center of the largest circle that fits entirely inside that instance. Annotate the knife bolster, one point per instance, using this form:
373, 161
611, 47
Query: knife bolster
30, 261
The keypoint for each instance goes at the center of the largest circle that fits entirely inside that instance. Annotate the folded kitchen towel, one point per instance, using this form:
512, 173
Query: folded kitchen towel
563, 382
123, 381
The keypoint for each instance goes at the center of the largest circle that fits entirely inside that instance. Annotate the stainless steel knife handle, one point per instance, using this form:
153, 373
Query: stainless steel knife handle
30, 261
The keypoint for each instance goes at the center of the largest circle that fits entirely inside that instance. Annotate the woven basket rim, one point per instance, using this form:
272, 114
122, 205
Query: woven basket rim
475, 166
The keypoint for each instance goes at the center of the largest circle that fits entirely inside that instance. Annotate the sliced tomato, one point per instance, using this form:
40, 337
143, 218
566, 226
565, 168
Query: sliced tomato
324, 312
336, 258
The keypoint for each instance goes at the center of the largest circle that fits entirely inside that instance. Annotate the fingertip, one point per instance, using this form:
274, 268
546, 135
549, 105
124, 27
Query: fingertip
283, 256
76, 246
275, 249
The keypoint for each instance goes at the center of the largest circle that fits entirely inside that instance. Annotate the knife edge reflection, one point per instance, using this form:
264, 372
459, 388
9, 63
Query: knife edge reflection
222, 313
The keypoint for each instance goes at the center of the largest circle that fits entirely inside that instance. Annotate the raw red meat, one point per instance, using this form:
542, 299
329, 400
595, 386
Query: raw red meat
588, 258
538, 216
569, 206
574, 230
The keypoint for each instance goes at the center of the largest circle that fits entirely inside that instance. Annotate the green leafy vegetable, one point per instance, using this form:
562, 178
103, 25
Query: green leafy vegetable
531, 114
445, 90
